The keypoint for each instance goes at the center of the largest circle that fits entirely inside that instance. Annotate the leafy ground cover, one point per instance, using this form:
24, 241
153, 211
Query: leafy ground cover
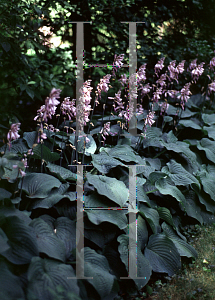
197, 278
172, 162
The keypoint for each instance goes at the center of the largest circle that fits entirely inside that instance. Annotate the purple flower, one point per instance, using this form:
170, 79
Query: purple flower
141, 74
211, 87
184, 94
105, 129
13, 132
171, 93
123, 79
118, 100
84, 107
212, 63
102, 87
193, 64
172, 70
149, 119
164, 107
117, 62
67, 107
157, 94
159, 65
48, 110
198, 71
140, 109
161, 80
145, 89
180, 66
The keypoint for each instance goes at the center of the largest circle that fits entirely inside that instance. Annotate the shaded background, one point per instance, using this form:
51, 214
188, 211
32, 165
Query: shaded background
38, 45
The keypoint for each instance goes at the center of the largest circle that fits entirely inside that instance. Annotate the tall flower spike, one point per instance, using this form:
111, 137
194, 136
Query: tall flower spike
67, 107
102, 87
141, 74
48, 110
198, 71
84, 107
13, 132
159, 65
117, 63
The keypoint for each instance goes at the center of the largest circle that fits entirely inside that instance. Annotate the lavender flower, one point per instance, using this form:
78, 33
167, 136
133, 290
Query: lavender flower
67, 107
172, 70
13, 132
48, 110
140, 109
105, 129
180, 67
175, 71
184, 94
117, 62
84, 107
149, 119
118, 100
145, 89
211, 87
159, 65
193, 64
123, 79
198, 71
157, 94
164, 107
161, 80
141, 74
212, 63
102, 87
171, 93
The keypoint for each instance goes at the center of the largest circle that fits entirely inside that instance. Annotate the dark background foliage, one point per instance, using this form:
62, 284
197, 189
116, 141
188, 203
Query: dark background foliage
29, 68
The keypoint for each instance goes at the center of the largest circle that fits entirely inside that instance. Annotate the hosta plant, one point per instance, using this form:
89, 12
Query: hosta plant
174, 155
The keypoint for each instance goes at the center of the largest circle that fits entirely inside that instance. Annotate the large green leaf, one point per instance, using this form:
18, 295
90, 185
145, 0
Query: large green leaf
165, 214
4, 194
178, 174
117, 217
211, 131
44, 275
123, 152
184, 249
189, 123
95, 200
61, 172
64, 229
208, 119
47, 240
10, 285
181, 147
144, 269
110, 187
39, 185
207, 180
165, 187
187, 113
162, 254
96, 266
18, 146
151, 215
103, 162
21, 239
54, 197
46, 153
30, 138
142, 232
209, 147
90, 147
141, 195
